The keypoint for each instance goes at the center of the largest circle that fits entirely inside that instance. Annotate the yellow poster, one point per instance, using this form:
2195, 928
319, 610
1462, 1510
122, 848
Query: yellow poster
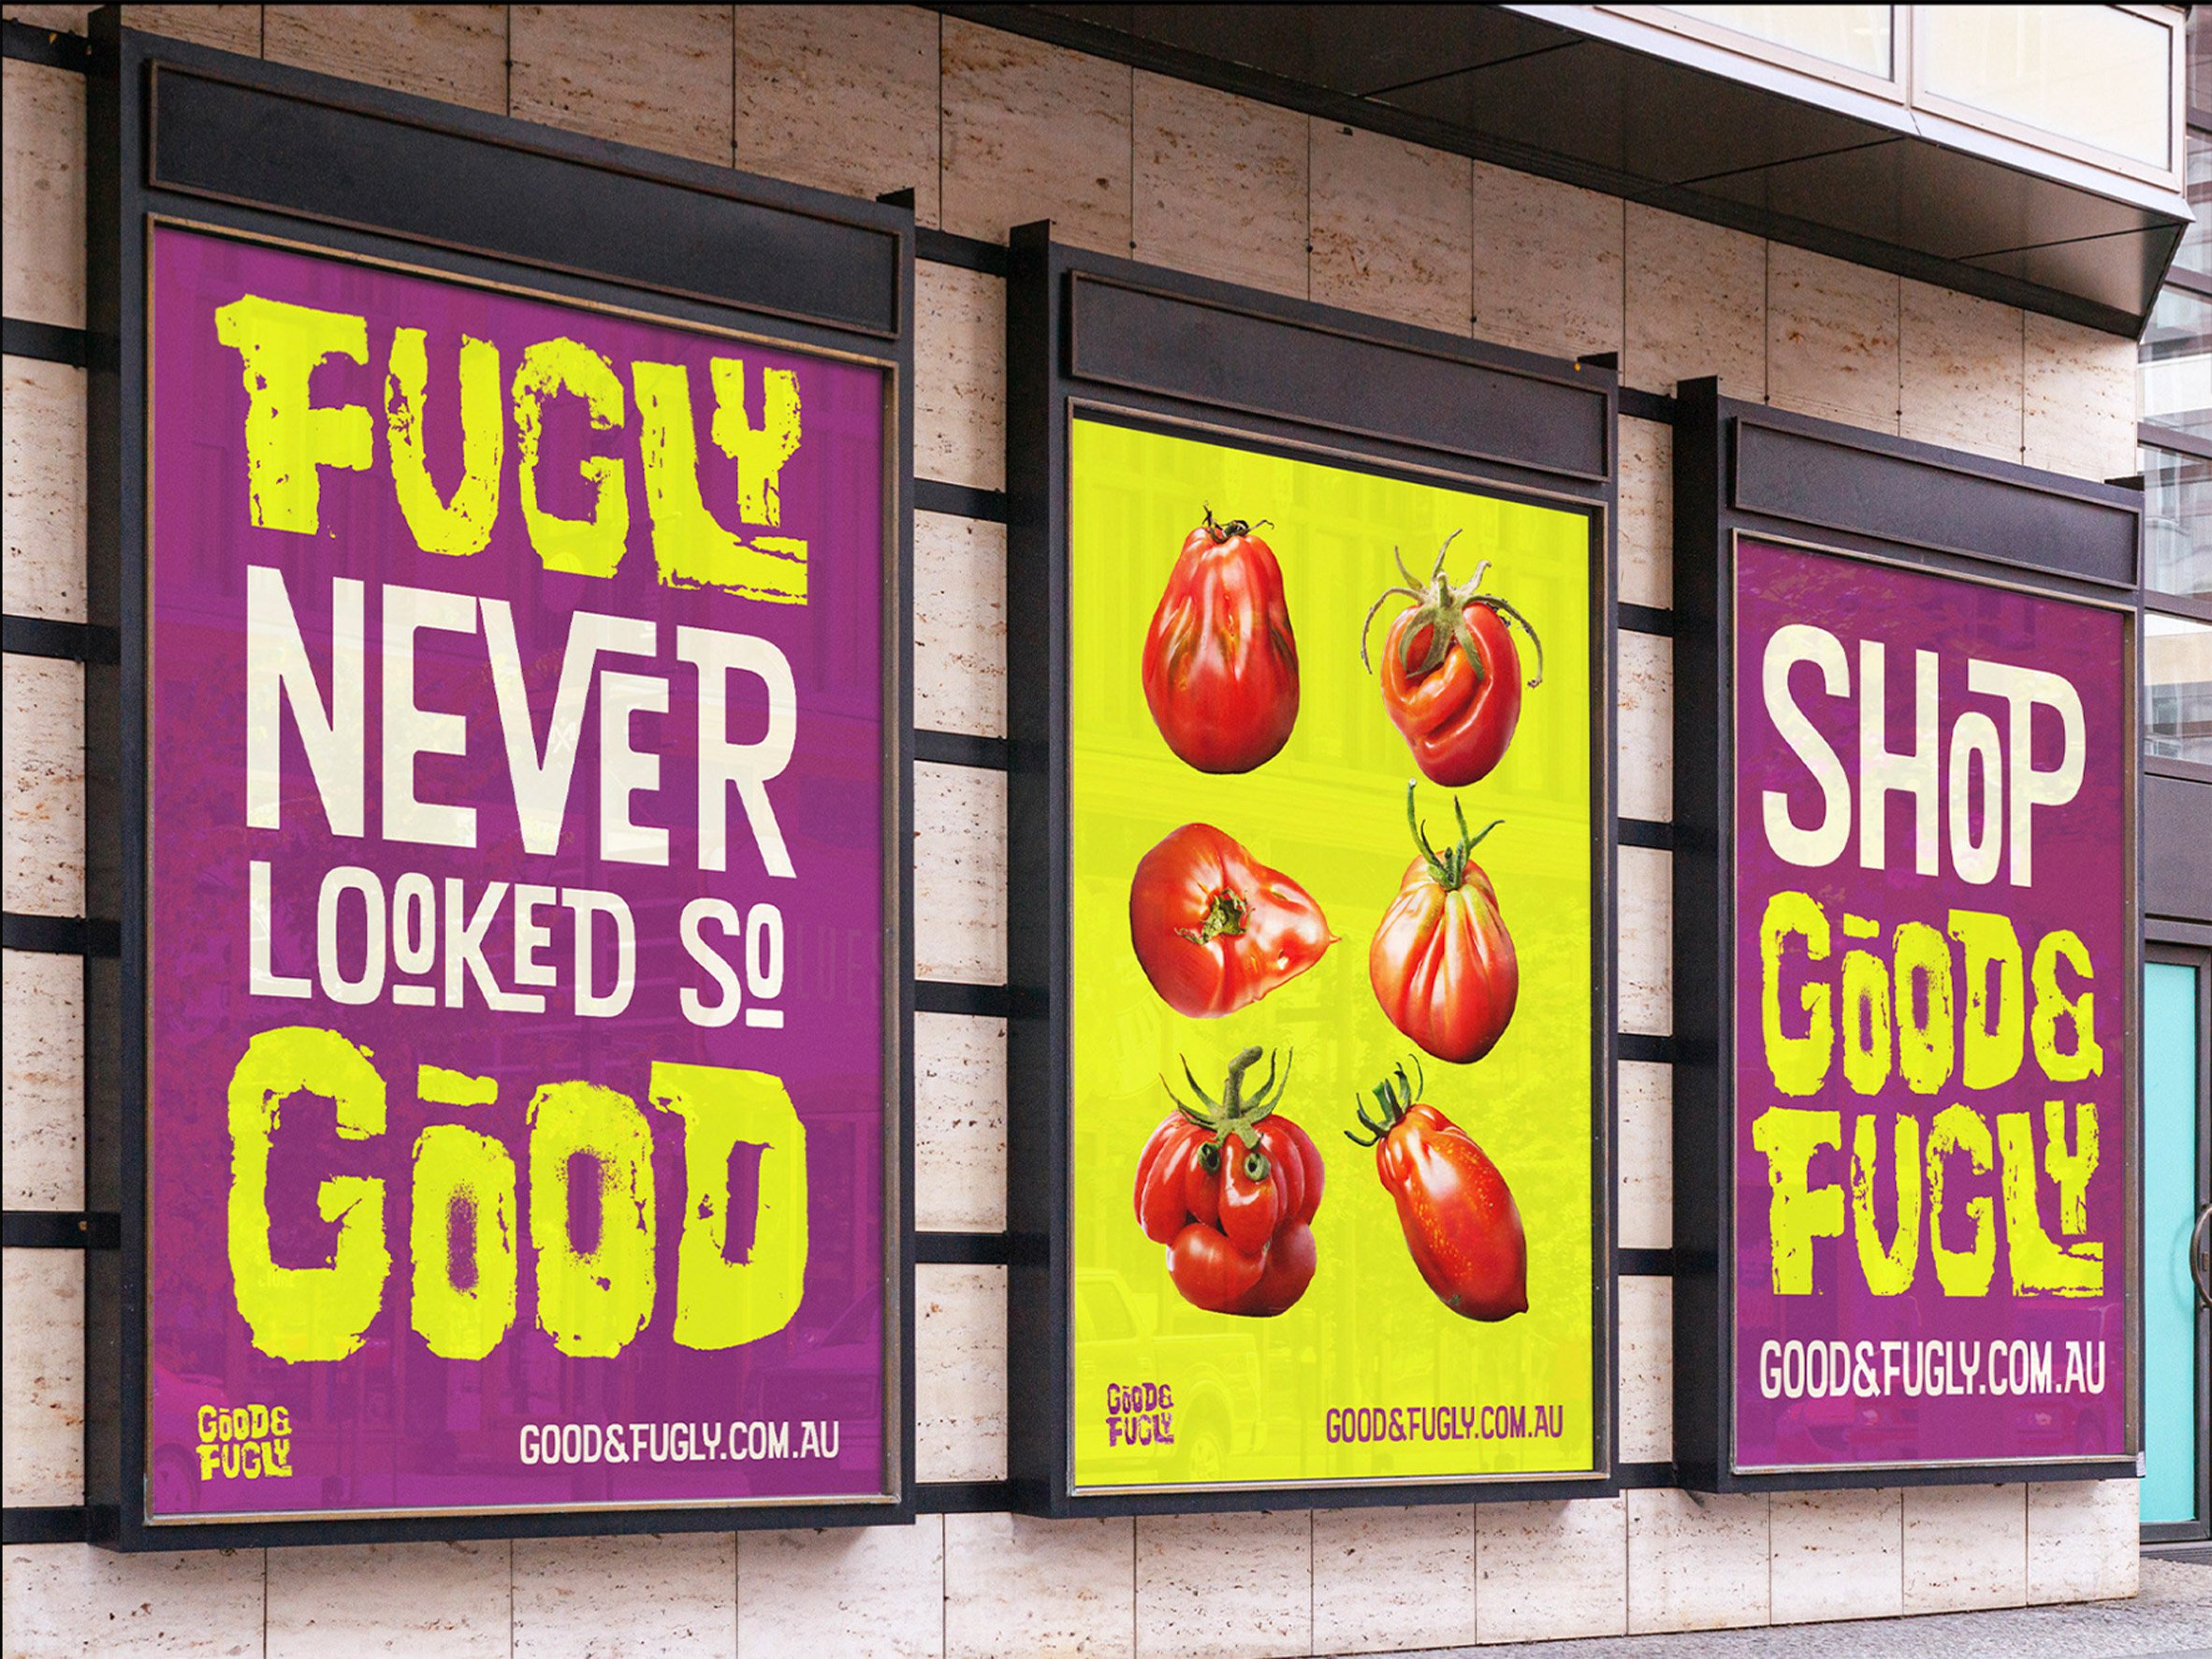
1331, 1092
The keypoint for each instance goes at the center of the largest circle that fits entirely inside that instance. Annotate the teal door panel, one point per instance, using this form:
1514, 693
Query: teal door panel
2172, 1130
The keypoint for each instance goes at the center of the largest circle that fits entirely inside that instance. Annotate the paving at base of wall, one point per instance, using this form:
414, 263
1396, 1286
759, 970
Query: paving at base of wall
2170, 1619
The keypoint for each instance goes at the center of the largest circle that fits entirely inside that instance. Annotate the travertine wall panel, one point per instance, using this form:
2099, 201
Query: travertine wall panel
42, 731
1392, 228
2079, 400
41, 194
959, 1373
959, 376
1644, 952
1957, 385
456, 54
879, 1590
62, 20
1644, 736
1546, 1570
635, 1597
655, 76
959, 625
1832, 338
1189, 1607
1646, 550
1696, 1561
73, 1599
1033, 131
42, 463
1965, 1547
1547, 264
1837, 1555
1220, 186
1645, 1363
42, 1146
1018, 1585
1387, 1580
1696, 304
446, 1599
841, 97
1645, 1154
229, 28
2081, 1540
960, 1108
42, 1370
959, 874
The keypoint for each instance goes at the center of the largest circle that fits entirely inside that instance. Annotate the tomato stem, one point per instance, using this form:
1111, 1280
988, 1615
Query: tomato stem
1234, 1113
1225, 916
1448, 869
1440, 615
1395, 1096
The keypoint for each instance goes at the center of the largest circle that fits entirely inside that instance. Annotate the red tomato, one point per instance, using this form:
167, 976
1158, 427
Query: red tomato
1214, 929
1460, 1223
1230, 1188
1442, 962
1220, 661
1451, 674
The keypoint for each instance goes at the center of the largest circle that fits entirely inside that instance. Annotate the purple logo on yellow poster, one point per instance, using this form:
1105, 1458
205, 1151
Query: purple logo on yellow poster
517, 951
1931, 1061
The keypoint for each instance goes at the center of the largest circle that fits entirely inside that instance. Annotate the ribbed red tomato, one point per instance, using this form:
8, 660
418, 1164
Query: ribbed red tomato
1451, 674
1230, 1189
1220, 661
1460, 1223
1442, 962
1214, 928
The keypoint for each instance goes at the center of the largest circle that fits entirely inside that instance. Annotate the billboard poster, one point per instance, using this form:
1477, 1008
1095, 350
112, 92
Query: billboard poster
1933, 907
1332, 983
518, 941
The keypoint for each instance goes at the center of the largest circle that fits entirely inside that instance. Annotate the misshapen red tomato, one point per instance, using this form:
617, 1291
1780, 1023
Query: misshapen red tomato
1442, 962
1451, 673
1461, 1225
1214, 928
1220, 661
1230, 1188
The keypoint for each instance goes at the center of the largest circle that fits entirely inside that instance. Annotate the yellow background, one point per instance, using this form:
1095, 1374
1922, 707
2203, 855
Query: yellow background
1328, 811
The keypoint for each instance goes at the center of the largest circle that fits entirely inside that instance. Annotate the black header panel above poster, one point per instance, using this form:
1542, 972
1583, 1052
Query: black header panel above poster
1311, 903
1905, 1106
507, 538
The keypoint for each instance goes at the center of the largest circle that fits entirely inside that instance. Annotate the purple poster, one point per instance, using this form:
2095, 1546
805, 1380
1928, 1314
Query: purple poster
1932, 915
519, 943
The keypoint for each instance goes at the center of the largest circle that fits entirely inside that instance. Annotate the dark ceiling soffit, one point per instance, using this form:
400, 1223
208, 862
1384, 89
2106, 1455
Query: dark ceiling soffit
1097, 40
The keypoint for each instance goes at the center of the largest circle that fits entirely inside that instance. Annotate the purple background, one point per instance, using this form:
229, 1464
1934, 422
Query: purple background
2079, 883
393, 1427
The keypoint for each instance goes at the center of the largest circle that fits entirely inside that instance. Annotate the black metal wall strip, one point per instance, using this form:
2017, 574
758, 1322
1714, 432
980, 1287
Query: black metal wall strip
1653, 406
963, 1249
28, 44
1645, 618
60, 936
960, 501
48, 343
61, 1229
1646, 832
1638, 1045
941, 247
1645, 1476
1644, 1264
946, 997
46, 636
25, 1523
964, 1497
960, 748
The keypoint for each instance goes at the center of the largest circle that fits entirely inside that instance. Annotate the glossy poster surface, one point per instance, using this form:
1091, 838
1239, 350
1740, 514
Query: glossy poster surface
1931, 1139
1258, 1299
517, 978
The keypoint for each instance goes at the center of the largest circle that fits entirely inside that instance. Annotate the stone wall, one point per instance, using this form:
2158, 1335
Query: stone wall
991, 130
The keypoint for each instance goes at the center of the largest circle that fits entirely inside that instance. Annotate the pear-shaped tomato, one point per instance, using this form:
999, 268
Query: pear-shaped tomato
1451, 674
1214, 929
1442, 962
1461, 1225
1220, 661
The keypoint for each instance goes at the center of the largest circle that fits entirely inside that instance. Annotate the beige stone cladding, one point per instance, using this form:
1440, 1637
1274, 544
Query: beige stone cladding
991, 131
